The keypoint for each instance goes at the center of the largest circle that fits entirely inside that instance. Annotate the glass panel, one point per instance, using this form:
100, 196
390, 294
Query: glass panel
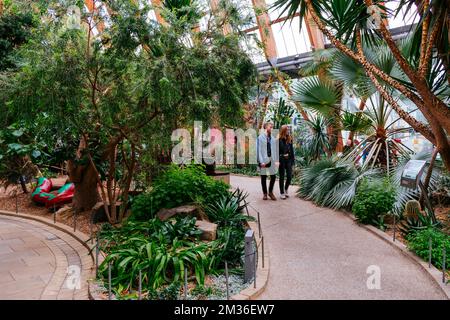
404, 17
289, 39
250, 45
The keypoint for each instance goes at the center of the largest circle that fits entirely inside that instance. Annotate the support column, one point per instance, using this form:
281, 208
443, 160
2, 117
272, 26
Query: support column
90, 4
215, 10
265, 30
316, 36
157, 5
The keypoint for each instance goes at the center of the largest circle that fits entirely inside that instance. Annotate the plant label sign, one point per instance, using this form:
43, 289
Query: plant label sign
412, 173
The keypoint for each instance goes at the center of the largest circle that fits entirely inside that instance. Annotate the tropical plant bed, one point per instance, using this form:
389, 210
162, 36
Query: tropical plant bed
162, 244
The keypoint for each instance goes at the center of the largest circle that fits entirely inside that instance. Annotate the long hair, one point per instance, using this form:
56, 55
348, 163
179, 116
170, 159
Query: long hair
284, 134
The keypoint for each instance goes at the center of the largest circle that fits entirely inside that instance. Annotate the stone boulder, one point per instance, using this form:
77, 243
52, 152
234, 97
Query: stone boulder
209, 230
187, 210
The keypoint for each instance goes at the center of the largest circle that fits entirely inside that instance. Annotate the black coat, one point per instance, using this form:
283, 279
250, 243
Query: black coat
286, 148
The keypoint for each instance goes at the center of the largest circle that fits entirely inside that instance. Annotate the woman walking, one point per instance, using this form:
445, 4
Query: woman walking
287, 160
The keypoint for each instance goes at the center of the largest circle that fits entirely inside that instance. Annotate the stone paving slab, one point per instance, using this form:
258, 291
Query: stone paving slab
34, 261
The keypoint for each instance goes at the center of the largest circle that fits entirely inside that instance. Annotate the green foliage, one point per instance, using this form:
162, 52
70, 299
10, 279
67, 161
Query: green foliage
15, 30
331, 182
229, 246
418, 242
281, 113
373, 199
356, 122
227, 211
18, 152
178, 186
315, 140
127, 88
161, 250
422, 222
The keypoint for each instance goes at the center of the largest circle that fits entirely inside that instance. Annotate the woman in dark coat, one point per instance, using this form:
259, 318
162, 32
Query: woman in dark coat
287, 160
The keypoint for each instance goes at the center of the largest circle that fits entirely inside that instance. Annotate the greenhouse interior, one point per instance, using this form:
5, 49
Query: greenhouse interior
224, 150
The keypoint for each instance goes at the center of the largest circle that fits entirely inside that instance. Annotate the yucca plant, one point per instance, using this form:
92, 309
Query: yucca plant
225, 212
281, 113
316, 140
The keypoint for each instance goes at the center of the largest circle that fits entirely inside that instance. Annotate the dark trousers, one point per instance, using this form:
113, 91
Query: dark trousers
271, 184
285, 169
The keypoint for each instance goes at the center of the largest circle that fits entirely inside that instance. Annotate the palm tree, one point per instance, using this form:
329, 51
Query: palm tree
347, 24
322, 93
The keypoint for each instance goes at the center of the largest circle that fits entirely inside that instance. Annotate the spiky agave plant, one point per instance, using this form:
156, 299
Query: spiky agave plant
380, 148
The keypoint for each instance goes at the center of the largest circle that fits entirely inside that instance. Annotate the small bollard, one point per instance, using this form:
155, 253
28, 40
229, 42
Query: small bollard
430, 248
91, 231
250, 256
140, 286
17, 204
54, 215
246, 208
259, 224
185, 283
74, 221
97, 252
226, 280
443, 264
262, 249
109, 281
256, 266
395, 227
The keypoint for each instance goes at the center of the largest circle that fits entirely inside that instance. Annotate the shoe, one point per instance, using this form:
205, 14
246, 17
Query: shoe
272, 196
283, 196
265, 197
286, 194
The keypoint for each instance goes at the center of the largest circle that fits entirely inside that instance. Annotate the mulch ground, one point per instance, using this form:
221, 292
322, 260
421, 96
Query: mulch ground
26, 205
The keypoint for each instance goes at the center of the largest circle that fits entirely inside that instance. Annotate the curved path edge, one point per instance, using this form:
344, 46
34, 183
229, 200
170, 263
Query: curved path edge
433, 273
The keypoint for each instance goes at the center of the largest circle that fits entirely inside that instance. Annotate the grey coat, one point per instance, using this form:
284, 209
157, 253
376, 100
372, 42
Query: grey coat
262, 156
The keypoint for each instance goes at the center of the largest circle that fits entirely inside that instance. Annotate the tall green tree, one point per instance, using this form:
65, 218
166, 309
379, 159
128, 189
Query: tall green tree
123, 91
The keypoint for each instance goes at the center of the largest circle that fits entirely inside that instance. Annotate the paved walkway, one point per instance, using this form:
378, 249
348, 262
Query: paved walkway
35, 260
318, 253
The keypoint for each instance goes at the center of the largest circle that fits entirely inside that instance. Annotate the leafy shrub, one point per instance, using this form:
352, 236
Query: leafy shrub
161, 250
418, 242
229, 247
373, 199
178, 186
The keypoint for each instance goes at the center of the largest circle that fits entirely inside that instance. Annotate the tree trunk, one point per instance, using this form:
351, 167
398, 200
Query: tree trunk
85, 180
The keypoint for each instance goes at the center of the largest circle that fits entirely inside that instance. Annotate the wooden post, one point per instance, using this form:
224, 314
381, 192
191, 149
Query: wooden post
215, 10
265, 29
90, 4
315, 35
157, 5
